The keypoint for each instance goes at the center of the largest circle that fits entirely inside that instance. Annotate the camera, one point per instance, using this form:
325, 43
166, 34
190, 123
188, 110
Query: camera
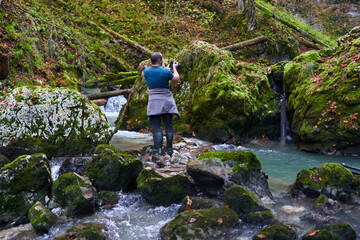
171, 65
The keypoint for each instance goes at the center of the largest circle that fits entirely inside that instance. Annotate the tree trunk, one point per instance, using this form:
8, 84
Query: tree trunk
108, 94
251, 15
241, 6
245, 44
4, 65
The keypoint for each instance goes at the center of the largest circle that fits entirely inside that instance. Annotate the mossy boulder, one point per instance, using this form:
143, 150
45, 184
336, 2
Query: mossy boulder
336, 231
3, 160
202, 224
218, 98
74, 164
75, 193
52, 121
323, 90
23, 182
330, 179
212, 169
41, 218
89, 231
199, 203
246, 204
112, 169
276, 232
163, 191
108, 198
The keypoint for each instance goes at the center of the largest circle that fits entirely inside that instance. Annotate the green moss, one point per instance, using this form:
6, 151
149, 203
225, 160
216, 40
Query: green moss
278, 232
162, 191
74, 193
319, 179
3, 160
242, 201
105, 197
112, 169
199, 224
244, 160
199, 203
322, 234
261, 217
90, 231
342, 231
320, 201
41, 218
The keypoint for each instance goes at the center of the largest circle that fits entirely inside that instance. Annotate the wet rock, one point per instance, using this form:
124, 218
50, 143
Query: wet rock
75, 193
89, 231
330, 179
41, 218
52, 121
247, 205
336, 231
112, 169
221, 98
323, 97
278, 232
190, 202
107, 198
202, 224
211, 170
23, 182
74, 164
163, 191
326, 205
3, 160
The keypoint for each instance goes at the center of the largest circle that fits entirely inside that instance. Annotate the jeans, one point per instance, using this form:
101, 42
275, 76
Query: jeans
155, 122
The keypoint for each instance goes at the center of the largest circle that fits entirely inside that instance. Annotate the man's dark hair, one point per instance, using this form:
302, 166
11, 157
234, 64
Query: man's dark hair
155, 57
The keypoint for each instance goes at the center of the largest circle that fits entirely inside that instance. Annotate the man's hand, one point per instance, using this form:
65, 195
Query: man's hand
176, 78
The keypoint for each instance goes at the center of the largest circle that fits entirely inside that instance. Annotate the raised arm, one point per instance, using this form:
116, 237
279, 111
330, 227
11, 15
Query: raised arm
176, 78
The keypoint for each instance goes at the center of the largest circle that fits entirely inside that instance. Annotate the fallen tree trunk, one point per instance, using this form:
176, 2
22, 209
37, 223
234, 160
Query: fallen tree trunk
305, 34
99, 102
124, 39
108, 94
4, 65
245, 44
123, 81
309, 44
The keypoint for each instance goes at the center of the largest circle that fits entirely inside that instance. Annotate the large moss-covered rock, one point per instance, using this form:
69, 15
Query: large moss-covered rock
202, 224
323, 90
3, 160
336, 231
41, 218
112, 169
212, 169
89, 231
164, 191
330, 179
276, 232
218, 98
52, 121
23, 182
75, 193
247, 205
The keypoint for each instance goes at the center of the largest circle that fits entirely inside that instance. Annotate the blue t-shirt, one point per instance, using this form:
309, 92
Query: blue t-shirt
157, 77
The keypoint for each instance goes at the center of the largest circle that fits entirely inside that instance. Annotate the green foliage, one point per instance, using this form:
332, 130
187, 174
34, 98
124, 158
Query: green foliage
89, 230
278, 232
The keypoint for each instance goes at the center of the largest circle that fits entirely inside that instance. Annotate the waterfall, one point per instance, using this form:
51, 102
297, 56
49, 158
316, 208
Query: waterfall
283, 119
113, 107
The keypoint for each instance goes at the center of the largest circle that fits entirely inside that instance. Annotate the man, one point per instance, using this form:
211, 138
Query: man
161, 103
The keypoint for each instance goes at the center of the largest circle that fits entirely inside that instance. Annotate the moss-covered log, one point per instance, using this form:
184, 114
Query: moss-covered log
108, 94
245, 44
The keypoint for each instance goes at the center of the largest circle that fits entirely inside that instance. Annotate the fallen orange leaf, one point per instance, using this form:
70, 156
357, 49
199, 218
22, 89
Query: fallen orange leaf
220, 221
261, 236
312, 233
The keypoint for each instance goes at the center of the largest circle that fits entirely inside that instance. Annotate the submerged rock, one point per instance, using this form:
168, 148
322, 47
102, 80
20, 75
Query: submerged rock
208, 223
107, 198
75, 193
3, 160
23, 182
89, 231
336, 231
163, 191
219, 98
112, 169
211, 170
278, 232
324, 98
41, 218
53, 121
330, 179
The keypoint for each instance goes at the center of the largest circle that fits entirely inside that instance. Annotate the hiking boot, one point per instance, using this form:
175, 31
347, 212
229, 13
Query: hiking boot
169, 142
158, 142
